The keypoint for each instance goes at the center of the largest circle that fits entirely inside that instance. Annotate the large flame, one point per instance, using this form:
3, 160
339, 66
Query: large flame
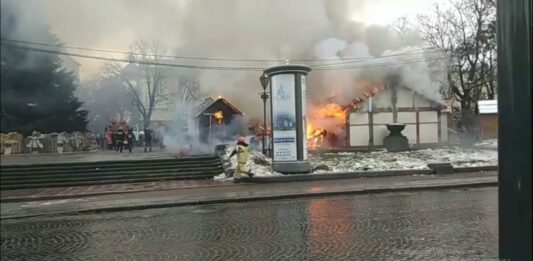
332, 110
333, 113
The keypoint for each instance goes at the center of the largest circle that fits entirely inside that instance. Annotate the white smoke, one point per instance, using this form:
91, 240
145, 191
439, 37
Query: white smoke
246, 29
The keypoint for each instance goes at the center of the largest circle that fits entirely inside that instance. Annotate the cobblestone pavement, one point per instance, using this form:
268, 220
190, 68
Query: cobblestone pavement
78, 191
429, 225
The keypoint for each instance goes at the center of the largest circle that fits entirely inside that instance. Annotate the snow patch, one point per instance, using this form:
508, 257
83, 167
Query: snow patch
380, 160
384, 160
489, 144
259, 164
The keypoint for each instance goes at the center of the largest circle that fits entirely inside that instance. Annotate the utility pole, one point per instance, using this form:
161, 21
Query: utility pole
513, 27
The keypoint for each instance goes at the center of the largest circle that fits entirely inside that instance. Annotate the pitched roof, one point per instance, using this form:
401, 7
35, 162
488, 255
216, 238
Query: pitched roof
374, 89
208, 104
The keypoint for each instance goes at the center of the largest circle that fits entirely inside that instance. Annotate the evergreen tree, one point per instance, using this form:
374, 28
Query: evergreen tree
37, 93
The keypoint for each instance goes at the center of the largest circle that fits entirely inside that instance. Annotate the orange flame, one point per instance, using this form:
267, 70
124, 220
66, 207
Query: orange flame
316, 133
331, 110
219, 117
326, 117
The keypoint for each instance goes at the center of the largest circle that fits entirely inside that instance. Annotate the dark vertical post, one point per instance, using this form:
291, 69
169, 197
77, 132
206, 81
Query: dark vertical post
264, 97
439, 131
370, 130
514, 138
347, 129
263, 137
417, 126
299, 114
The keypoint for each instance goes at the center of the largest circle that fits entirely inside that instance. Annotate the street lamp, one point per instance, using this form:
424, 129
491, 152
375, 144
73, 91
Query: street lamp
264, 96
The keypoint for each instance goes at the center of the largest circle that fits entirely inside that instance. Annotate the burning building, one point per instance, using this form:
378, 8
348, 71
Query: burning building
361, 124
218, 120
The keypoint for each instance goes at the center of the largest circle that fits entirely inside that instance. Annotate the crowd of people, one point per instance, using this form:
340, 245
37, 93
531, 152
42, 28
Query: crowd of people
125, 138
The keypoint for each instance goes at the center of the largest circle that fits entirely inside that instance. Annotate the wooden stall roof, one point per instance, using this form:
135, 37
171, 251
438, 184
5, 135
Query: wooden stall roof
210, 102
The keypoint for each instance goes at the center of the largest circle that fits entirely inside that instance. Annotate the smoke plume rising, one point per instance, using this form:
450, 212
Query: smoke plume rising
244, 29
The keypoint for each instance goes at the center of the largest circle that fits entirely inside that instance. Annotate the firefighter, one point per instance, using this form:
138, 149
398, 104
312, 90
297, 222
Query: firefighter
243, 154
130, 139
148, 139
121, 136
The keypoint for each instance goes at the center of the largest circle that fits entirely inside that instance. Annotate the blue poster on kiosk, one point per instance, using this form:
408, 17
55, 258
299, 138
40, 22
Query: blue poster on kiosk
284, 117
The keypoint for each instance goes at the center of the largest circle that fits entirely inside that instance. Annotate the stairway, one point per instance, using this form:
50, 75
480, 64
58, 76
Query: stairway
108, 172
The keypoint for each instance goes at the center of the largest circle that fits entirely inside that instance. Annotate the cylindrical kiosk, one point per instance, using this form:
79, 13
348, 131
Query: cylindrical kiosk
289, 137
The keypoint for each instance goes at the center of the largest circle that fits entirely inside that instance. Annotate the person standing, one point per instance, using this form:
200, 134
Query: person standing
114, 140
121, 136
243, 154
130, 138
108, 138
147, 139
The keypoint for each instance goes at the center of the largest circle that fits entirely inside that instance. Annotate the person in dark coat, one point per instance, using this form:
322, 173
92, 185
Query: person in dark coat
121, 136
130, 138
147, 139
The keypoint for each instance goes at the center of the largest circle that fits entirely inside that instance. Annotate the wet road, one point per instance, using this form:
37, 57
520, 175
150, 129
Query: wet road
425, 225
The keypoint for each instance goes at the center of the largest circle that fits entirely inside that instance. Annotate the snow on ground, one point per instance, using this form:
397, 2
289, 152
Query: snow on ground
383, 160
489, 144
259, 164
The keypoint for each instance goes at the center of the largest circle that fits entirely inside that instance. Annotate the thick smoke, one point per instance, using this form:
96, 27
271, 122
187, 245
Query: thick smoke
18, 22
261, 29
248, 29
245, 29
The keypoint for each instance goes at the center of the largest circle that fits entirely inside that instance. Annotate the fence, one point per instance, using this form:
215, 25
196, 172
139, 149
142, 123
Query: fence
15, 143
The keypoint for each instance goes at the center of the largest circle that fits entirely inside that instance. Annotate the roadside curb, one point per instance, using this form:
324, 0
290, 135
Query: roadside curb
69, 196
484, 182
474, 169
364, 174
273, 179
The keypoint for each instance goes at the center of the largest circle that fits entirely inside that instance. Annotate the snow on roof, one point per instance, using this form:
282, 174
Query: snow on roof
210, 103
488, 106
373, 90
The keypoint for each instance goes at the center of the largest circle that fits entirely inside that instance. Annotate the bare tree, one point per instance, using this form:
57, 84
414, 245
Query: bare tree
465, 32
105, 100
144, 82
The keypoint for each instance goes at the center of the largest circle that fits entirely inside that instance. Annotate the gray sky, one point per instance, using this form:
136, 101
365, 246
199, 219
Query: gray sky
114, 24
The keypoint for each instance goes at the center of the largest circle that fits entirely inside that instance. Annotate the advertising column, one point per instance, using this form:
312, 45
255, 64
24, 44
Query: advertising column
284, 114
287, 89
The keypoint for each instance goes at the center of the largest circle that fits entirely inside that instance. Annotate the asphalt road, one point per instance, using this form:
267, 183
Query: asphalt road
425, 225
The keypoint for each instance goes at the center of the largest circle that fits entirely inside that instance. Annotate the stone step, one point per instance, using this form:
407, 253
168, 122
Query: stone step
107, 172
108, 164
125, 173
103, 169
108, 177
103, 182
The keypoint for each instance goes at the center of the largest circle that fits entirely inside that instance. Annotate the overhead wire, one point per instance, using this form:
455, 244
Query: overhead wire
348, 65
359, 58
203, 67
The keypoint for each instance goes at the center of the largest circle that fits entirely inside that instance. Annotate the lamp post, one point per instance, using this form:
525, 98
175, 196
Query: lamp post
264, 96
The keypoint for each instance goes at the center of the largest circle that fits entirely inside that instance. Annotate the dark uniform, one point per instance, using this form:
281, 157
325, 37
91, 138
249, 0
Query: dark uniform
130, 137
147, 140
120, 139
